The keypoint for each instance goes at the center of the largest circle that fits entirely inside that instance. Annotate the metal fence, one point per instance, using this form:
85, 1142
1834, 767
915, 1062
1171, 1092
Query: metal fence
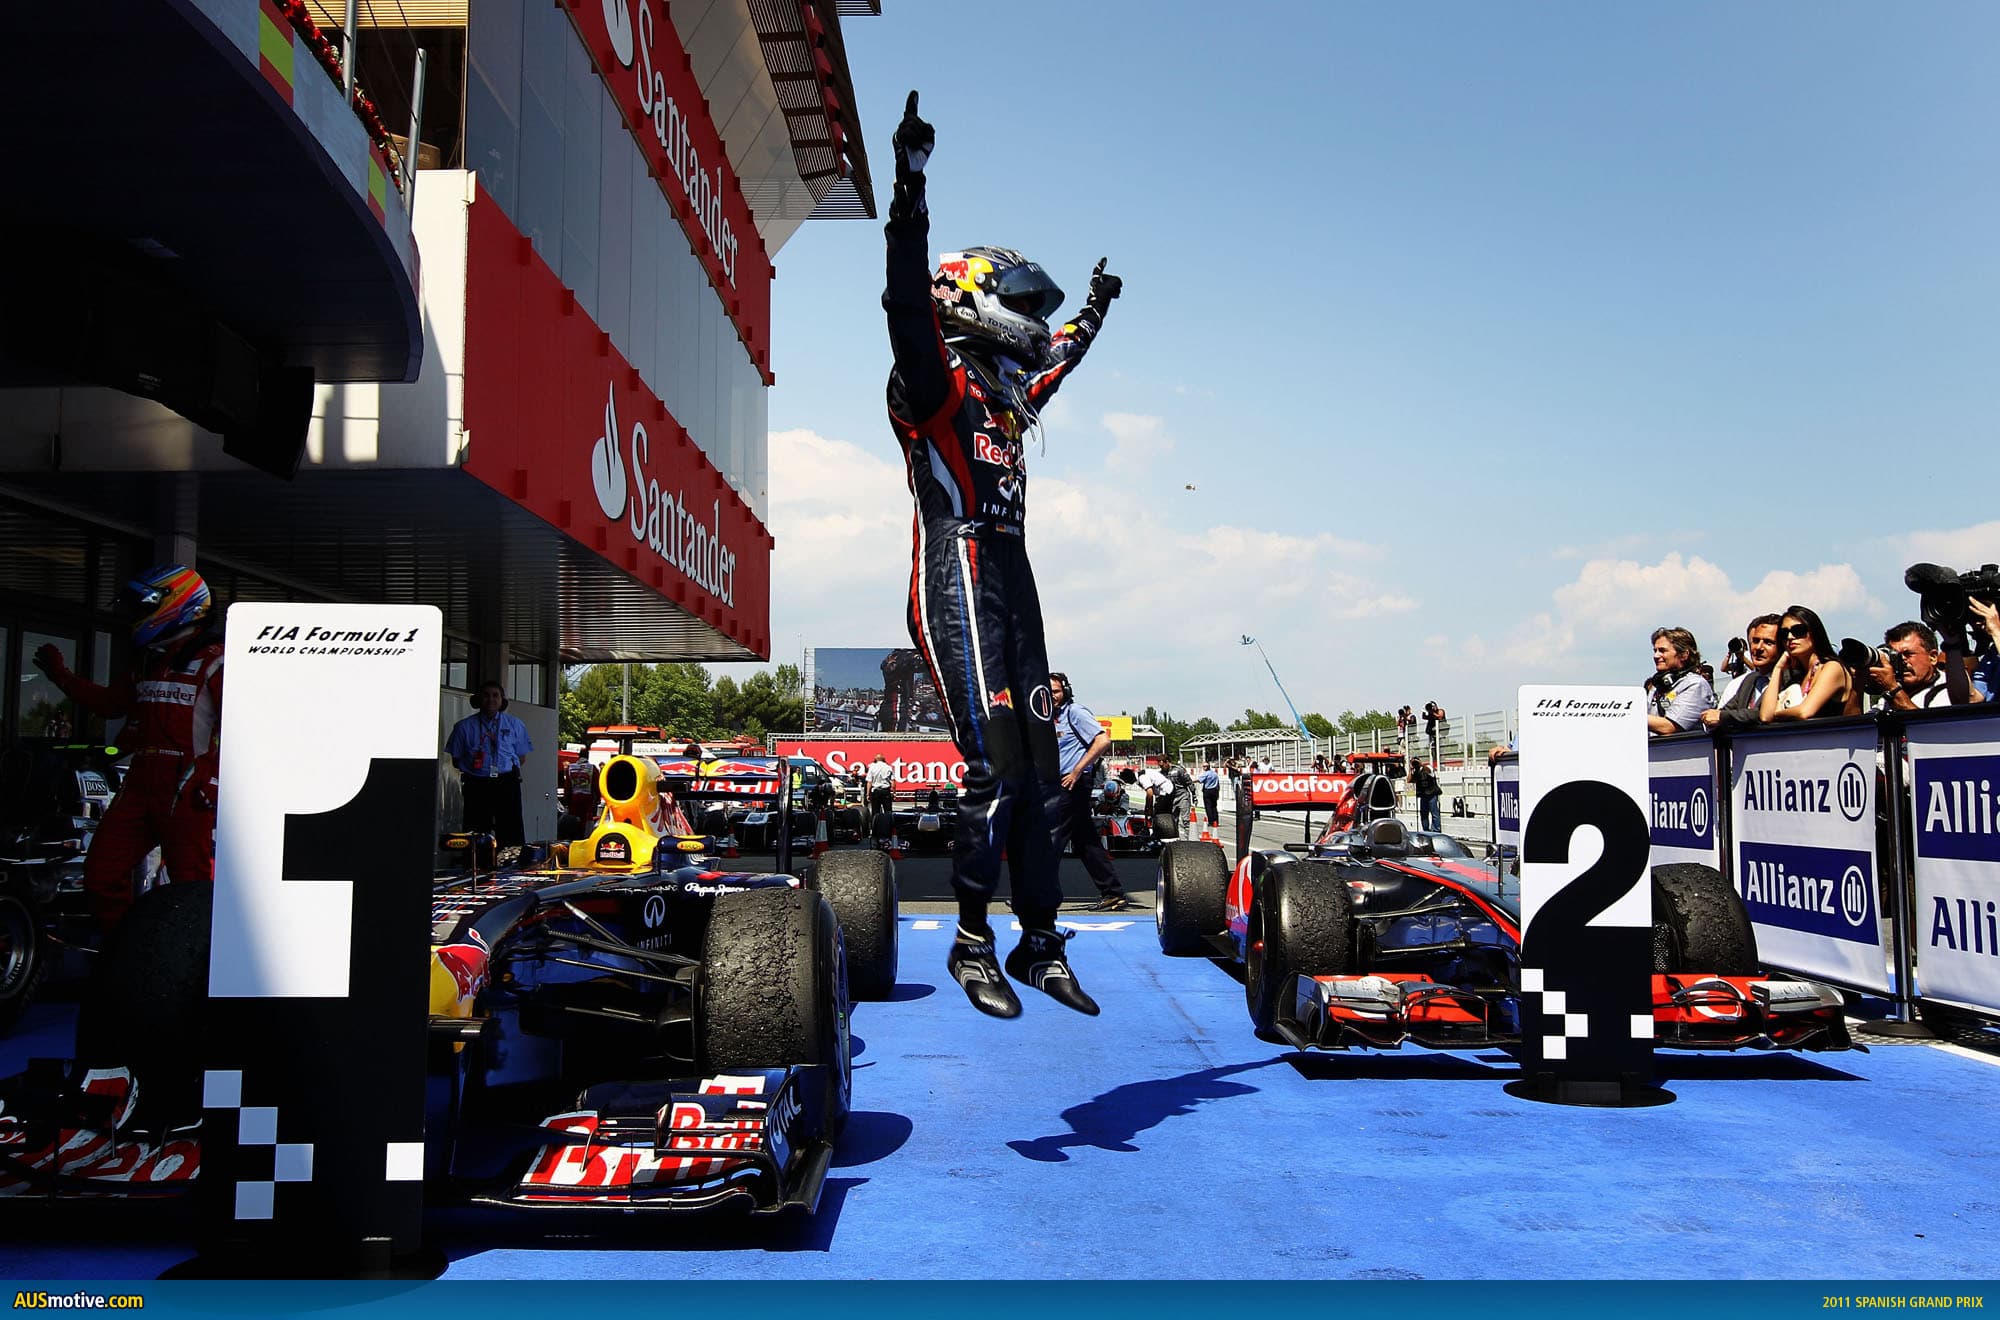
1461, 742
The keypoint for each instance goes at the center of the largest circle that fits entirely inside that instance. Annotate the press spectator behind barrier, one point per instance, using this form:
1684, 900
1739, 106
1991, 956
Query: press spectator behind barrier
1808, 682
1741, 701
1921, 682
1986, 664
1679, 692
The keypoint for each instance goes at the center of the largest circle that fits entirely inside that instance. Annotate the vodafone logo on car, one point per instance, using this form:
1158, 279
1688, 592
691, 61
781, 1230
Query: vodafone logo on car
659, 518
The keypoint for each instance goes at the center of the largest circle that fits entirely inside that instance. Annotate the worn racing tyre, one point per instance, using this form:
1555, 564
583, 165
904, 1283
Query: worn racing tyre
1188, 895
1301, 923
773, 993
25, 955
860, 885
1164, 825
146, 1007
1699, 923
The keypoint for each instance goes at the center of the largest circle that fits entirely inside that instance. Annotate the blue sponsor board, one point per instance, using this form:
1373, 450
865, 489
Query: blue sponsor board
1509, 791
1683, 812
1820, 891
1957, 808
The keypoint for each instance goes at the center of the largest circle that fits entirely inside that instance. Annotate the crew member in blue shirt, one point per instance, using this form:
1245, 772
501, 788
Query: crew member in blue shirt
1211, 792
487, 747
1080, 741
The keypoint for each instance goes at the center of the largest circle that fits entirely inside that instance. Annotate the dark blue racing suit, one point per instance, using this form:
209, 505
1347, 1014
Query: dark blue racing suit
974, 614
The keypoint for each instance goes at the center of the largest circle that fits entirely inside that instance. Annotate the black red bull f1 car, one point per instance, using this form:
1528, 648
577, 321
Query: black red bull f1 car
1361, 940
624, 1026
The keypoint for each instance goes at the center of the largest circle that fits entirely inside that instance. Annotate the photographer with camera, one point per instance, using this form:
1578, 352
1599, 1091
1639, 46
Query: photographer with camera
1986, 665
1962, 607
1678, 691
1907, 673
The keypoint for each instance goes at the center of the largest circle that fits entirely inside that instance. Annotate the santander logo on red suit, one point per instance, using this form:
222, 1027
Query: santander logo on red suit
655, 516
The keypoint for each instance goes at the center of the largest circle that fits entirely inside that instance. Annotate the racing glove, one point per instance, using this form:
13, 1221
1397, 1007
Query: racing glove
914, 142
50, 661
1103, 288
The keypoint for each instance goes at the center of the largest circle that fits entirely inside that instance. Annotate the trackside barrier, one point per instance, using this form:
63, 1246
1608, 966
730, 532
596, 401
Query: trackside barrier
1821, 826
1954, 761
1686, 824
1507, 803
1803, 850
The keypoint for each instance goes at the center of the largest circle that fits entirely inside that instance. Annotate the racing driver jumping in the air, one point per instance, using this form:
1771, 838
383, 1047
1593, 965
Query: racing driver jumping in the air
975, 364
173, 700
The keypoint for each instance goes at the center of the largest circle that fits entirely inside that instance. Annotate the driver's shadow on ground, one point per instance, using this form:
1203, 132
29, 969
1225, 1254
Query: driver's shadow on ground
1112, 1120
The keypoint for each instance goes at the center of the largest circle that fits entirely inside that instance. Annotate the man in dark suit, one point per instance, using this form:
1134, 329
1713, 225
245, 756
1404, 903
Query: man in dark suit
1738, 707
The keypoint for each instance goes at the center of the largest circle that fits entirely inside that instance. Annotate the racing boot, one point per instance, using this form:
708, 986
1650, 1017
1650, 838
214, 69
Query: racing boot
1038, 960
974, 966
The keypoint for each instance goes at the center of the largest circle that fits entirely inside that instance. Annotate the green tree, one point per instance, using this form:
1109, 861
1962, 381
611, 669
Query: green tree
1258, 719
676, 697
1318, 725
1363, 723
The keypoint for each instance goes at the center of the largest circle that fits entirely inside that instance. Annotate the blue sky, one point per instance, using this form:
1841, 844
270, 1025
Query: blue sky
1491, 336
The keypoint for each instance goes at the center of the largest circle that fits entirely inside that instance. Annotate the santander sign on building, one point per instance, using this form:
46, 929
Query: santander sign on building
642, 62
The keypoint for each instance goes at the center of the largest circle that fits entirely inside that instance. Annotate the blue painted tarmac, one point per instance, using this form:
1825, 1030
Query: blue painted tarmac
1163, 1141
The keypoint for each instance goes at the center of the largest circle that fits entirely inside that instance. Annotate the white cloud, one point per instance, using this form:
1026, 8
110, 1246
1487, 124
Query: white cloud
1149, 605
1967, 547
1137, 440
1612, 606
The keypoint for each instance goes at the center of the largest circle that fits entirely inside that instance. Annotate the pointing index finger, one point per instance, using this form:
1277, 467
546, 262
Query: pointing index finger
910, 108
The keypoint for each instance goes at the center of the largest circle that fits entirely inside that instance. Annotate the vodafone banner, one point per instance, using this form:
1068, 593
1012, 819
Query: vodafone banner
1955, 821
1683, 802
562, 425
1802, 813
915, 764
1298, 789
640, 58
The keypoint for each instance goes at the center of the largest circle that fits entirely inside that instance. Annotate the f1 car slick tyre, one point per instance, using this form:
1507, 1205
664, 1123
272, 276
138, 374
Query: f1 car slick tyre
25, 955
1699, 923
860, 885
146, 1007
774, 994
1301, 923
1188, 896
1165, 826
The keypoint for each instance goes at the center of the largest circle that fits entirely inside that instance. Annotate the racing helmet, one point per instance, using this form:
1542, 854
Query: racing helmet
997, 298
164, 604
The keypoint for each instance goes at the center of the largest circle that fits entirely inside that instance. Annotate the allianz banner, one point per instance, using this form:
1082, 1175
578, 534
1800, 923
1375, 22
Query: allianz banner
1682, 778
1803, 816
1507, 803
1955, 821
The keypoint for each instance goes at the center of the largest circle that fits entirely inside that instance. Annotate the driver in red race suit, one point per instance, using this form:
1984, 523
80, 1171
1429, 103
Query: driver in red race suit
173, 701
975, 364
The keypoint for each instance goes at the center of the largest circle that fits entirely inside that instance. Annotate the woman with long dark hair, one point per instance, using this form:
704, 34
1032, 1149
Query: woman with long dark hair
1809, 681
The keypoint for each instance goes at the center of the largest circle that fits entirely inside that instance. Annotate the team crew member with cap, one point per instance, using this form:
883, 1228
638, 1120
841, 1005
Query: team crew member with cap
976, 361
1080, 741
487, 746
173, 700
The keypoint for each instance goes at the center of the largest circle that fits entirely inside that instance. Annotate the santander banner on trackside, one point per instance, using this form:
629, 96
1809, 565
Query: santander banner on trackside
639, 55
562, 425
915, 764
